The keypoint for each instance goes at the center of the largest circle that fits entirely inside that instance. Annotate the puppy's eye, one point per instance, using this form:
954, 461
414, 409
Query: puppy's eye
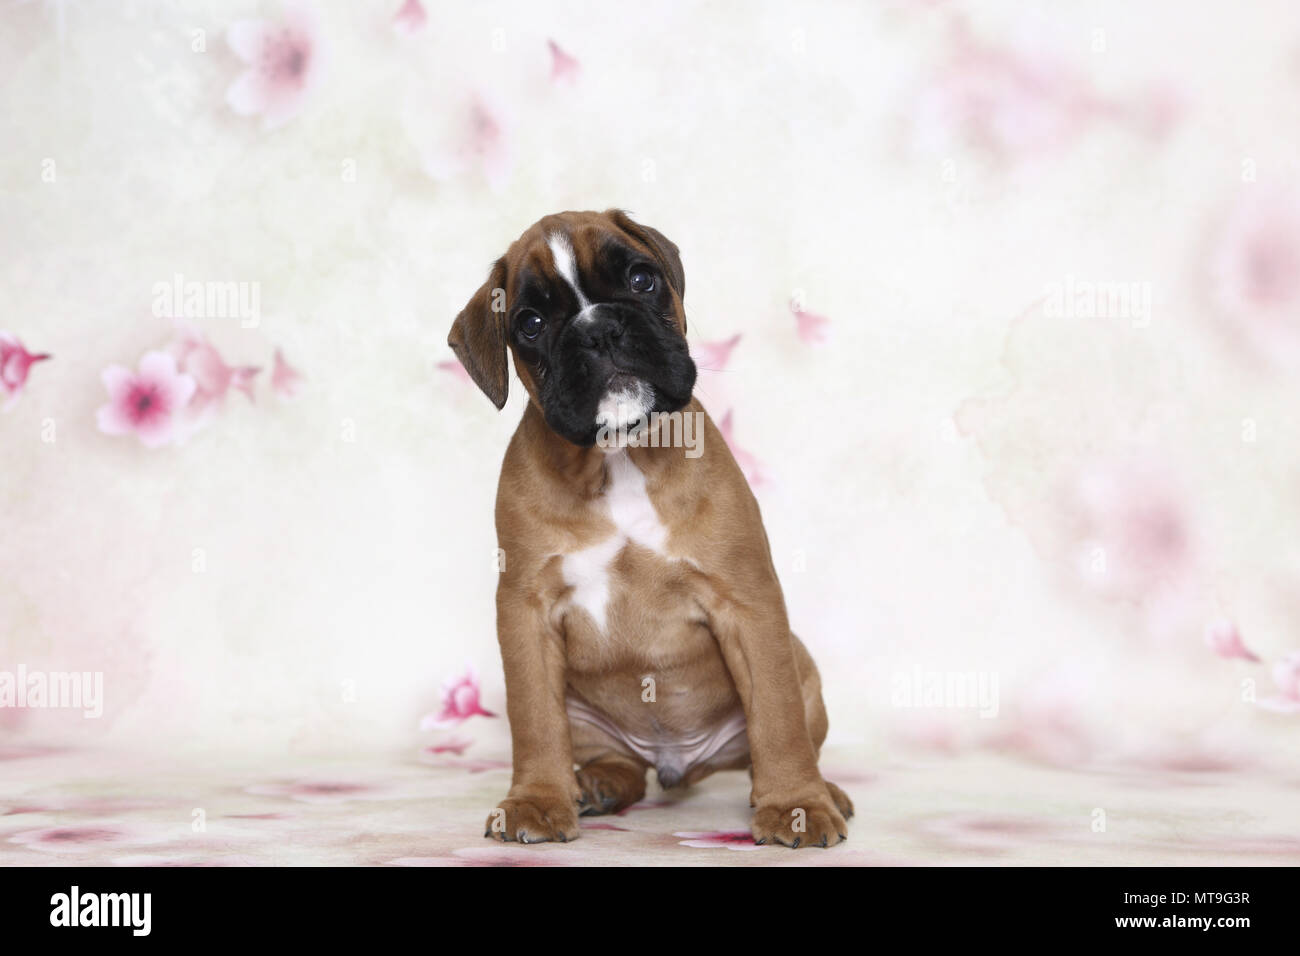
530, 324
641, 279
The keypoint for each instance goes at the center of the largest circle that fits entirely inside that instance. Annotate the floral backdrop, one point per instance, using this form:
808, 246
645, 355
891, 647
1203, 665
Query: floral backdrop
999, 309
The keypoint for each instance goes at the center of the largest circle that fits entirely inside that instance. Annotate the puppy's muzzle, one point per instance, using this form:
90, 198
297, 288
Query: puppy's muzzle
599, 330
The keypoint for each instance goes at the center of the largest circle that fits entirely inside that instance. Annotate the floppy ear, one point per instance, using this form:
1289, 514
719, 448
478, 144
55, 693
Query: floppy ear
478, 337
663, 248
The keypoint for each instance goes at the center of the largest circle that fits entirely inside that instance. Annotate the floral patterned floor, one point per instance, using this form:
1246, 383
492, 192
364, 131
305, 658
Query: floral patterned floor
64, 807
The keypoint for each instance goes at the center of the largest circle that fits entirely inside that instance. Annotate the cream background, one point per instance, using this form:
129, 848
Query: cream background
784, 159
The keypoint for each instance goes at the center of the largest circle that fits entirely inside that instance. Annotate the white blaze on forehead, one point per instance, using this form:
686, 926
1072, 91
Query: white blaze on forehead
566, 265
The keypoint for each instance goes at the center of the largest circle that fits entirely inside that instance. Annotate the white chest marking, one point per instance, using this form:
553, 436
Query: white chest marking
635, 521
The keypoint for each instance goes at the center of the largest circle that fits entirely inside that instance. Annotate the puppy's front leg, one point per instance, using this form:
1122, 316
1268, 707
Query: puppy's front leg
792, 803
543, 800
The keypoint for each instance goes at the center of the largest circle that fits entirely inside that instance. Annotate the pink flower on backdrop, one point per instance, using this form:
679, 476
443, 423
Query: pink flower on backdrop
1196, 755
286, 381
1135, 531
15, 361
456, 370
25, 751
1224, 639
69, 839
1021, 101
284, 64
470, 139
469, 765
148, 402
455, 745
411, 18
813, 329
714, 839
927, 731
714, 356
214, 378
564, 67
318, 791
1256, 273
988, 833
94, 806
460, 702
1047, 724
1286, 674
748, 463
183, 860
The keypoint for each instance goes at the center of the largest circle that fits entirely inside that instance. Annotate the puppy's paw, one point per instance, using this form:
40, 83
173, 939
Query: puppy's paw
534, 818
813, 822
842, 801
609, 786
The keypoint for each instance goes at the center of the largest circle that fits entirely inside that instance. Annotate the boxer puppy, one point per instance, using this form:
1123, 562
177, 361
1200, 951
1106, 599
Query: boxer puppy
640, 618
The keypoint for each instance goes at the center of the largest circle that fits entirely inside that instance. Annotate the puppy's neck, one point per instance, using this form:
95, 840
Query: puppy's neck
584, 472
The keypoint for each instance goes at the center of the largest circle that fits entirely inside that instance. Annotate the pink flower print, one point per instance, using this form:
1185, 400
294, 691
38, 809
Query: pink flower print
564, 67
411, 18
712, 839
748, 463
987, 833
713, 356
318, 791
15, 361
1049, 723
471, 139
813, 329
1256, 274
1137, 535
926, 732
1286, 674
459, 703
469, 765
456, 370
284, 61
1224, 639
286, 381
211, 373
455, 745
68, 839
1016, 102
212, 376
485, 143
146, 403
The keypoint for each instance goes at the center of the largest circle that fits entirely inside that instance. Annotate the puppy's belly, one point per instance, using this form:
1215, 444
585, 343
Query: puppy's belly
649, 677
677, 755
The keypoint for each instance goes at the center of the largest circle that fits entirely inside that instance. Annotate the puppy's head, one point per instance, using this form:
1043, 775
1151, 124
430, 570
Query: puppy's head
590, 305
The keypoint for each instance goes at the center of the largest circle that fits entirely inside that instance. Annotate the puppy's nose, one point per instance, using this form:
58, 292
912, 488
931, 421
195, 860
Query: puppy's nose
599, 331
